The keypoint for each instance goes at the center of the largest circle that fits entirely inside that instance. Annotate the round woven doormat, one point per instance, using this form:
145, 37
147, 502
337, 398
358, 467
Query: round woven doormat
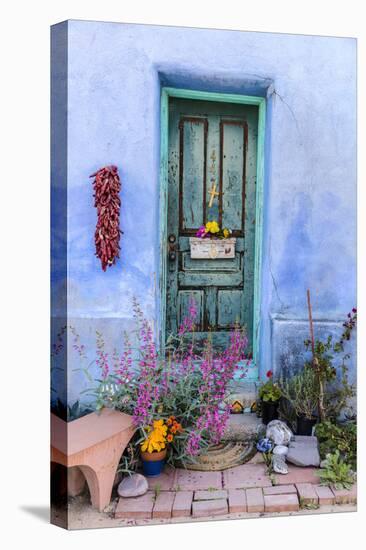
223, 456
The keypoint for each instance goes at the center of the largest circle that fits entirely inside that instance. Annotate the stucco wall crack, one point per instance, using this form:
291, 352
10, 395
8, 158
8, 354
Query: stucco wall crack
274, 92
283, 307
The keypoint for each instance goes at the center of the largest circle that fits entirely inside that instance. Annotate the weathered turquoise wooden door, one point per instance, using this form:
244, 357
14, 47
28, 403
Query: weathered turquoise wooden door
211, 144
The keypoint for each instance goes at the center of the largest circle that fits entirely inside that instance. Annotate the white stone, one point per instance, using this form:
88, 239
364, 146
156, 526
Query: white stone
133, 486
279, 432
304, 452
279, 465
280, 450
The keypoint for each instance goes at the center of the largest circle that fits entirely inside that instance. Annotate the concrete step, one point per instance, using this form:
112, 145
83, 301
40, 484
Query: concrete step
241, 427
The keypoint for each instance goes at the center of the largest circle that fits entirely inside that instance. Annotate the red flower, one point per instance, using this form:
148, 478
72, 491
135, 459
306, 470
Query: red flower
269, 374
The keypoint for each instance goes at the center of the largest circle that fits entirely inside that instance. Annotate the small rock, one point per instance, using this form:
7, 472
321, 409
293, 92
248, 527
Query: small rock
279, 465
304, 452
279, 432
133, 486
280, 450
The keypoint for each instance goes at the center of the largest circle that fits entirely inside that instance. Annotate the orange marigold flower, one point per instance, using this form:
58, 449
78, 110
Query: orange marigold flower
169, 422
169, 438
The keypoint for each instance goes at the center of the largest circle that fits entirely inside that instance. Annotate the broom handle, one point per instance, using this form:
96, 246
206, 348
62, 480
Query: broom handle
311, 324
321, 408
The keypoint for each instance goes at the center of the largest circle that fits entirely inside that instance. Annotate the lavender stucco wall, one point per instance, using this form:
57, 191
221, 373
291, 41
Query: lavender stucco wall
115, 72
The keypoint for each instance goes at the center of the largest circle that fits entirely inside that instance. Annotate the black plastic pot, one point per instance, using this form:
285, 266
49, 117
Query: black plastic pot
269, 411
305, 425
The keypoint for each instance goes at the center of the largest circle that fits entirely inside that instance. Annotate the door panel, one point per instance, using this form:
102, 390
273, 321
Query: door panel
218, 278
233, 141
229, 308
225, 265
211, 145
192, 172
184, 297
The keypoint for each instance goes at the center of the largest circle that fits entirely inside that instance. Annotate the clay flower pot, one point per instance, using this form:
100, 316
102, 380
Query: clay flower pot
153, 463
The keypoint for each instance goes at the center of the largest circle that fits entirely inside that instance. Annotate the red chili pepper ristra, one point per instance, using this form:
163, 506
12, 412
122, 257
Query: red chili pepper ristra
107, 186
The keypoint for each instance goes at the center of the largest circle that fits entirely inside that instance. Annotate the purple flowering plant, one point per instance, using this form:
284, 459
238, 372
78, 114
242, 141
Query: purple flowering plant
181, 382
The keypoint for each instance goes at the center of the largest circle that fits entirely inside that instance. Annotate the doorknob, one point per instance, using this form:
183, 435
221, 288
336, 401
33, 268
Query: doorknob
172, 253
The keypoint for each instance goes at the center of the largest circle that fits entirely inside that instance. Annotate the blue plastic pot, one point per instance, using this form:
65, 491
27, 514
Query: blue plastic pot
153, 463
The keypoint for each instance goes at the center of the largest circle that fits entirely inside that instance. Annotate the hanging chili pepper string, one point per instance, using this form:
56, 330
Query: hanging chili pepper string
107, 187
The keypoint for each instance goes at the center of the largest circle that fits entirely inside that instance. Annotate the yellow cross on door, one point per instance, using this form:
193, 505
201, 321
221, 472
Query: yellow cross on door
213, 193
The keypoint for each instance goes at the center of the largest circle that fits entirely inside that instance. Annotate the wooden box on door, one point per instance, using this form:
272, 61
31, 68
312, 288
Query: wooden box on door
210, 249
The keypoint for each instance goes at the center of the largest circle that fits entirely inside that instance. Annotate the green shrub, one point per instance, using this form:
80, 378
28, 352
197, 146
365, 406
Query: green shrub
301, 391
338, 437
336, 472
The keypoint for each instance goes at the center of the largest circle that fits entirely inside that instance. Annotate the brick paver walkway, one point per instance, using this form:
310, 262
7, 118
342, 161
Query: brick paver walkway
248, 488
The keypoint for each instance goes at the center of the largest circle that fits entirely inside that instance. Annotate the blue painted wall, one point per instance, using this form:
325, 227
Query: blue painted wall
115, 73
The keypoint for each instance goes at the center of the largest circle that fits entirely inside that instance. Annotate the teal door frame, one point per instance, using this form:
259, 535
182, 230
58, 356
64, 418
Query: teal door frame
166, 93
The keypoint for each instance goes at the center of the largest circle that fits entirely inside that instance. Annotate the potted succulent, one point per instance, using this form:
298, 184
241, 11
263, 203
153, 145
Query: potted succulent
301, 391
270, 395
153, 449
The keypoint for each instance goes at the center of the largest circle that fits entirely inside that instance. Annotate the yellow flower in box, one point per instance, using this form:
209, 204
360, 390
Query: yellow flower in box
212, 227
226, 233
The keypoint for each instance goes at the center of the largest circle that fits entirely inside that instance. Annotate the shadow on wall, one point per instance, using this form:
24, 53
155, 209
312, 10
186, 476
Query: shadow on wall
219, 81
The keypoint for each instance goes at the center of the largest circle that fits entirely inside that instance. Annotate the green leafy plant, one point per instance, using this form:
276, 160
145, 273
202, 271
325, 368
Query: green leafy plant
333, 393
338, 394
336, 472
270, 390
130, 460
301, 391
341, 437
309, 505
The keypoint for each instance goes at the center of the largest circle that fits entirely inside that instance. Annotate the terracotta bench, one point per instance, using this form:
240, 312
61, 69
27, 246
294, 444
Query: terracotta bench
95, 444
